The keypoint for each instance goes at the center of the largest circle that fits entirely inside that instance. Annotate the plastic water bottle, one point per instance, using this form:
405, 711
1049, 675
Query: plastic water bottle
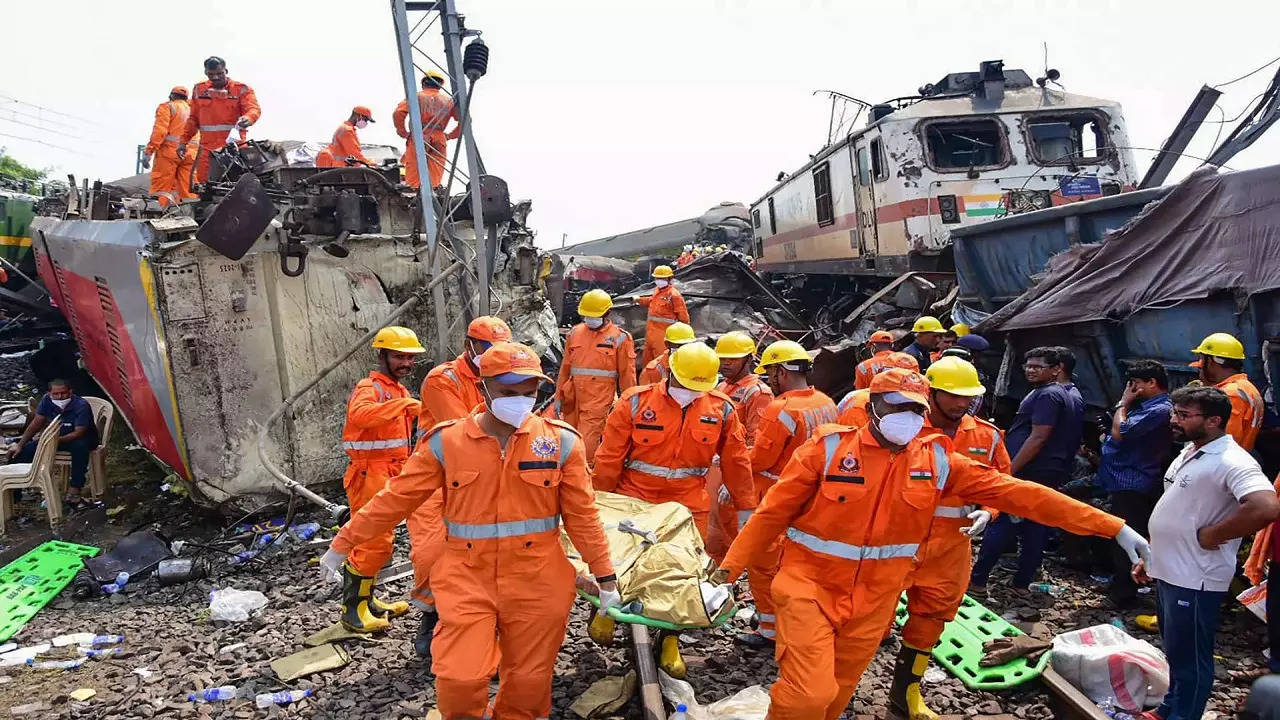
305, 531
226, 692
682, 712
55, 664
284, 697
96, 653
1046, 588
122, 579
1117, 622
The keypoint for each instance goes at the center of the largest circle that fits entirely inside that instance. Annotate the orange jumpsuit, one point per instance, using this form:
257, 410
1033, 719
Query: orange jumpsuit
666, 306
376, 439
437, 108
598, 365
346, 144
868, 368
170, 177
505, 586
214, 114
657, 370
750, 395
1246, 409
853, 408
854, 515
788, 422
659, 452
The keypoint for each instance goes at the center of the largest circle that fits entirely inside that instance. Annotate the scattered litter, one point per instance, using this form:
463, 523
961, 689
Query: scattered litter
335, 633
83, 694
142, 672
745, 614
28, 709
112, 512
311, 660
93, 653
1108, 664
934, 675
7, 647
173, 571
218, 694
1255, 598
135, 553
605, 696
234, 605
751, 703
266, 700
131, 446
115, 586
56, 664
231, 648
86, 638
23, 654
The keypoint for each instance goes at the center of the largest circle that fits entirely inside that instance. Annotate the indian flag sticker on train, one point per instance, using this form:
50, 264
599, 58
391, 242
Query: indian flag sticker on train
983, 205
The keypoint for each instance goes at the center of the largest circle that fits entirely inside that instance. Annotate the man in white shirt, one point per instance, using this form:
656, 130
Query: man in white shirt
1214, 494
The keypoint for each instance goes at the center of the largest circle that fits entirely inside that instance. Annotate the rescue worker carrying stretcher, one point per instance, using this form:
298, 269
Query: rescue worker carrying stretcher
503, 585
750, 395
666, 305
346, 149
659, 368
376, 438
855, 504
450, 391
794, 415
599, 363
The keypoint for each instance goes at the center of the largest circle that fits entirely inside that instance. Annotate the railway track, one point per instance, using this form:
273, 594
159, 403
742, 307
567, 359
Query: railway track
1069, 702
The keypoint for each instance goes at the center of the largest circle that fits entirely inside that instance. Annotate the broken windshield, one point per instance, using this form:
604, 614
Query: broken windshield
965, 144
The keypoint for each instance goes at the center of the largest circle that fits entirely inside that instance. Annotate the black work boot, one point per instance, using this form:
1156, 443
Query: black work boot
426, 628
357, 616
905, 697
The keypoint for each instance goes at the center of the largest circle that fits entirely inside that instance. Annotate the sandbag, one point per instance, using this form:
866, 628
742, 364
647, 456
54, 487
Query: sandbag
1109, 665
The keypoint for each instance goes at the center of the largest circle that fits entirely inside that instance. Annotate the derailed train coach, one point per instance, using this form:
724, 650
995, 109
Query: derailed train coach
882, 200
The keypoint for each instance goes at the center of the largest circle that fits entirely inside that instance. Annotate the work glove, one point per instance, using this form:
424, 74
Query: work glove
608, 599
1134, 545
243, 122
1005, 649
720, 576
146, 162
182, 151
980, 519
331, 565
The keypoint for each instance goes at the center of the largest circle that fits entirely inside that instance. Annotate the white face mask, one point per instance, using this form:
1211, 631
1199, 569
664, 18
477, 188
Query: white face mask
593, 323
901, 428
662, 283
61, 403
512, 410
362, 123
684, 396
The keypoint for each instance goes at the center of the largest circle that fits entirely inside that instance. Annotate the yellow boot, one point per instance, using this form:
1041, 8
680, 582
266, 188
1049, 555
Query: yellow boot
357, 616
669, 658
387, 610
905, 697
601, 628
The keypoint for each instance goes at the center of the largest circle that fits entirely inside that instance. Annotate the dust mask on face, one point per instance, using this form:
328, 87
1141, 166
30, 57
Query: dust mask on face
61, 403
511, 410
593, 323
900, 428
661, 283
684, 396
362, 123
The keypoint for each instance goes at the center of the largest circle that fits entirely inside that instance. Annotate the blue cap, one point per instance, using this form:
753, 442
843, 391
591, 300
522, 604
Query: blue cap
682, 708
973, 343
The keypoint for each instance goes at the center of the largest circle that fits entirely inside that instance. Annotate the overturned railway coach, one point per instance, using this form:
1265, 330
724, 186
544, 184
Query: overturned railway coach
975, 146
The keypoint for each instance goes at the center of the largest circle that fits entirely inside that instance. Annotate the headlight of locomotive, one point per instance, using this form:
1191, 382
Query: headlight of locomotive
1021, 201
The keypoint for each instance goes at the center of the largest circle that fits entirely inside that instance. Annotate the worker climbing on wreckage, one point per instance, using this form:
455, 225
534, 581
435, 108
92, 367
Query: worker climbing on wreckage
171, 174
346, 149
855, 504
750, 395
503, 584
218, 106
794, 415
599, 363
437, 109
666, 306
659, 369
377, 437
659, 444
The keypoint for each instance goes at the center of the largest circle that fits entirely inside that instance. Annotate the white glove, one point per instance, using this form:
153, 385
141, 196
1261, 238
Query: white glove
1134, 545
980, 519
608, 599
331, 565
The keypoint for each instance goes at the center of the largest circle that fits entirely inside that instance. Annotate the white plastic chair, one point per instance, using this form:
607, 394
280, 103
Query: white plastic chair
103, 415
35, 474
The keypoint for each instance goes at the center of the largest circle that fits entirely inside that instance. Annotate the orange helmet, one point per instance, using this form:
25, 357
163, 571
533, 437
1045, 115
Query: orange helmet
901, 384
902, 360
488, 328
179, 90
880, 336
363, 111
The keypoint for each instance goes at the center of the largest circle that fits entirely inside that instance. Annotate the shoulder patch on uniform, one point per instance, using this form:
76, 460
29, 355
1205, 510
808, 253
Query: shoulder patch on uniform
718, 394
833, 429
564, 425
633, 390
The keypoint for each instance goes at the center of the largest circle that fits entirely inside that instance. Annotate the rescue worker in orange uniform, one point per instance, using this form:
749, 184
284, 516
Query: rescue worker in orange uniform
855, 504
503, 584
599, 363
1221, 365
659, 444
936, 587
666, 306
171, 175
750, 395
450, 391
437, 109
853, 406
345, 149
794, 415
659, 369
881, 344
377, 438
218, 106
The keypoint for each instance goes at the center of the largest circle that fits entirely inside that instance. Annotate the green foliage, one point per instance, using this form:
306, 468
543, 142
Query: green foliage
12, 167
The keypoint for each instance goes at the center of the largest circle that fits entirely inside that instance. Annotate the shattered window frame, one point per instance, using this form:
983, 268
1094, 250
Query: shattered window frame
879, 168
773, 218
822, 197
755, 218
1102, 136
926, 132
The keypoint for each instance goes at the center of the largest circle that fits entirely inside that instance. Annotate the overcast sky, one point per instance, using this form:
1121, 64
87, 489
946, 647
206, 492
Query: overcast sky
614, 115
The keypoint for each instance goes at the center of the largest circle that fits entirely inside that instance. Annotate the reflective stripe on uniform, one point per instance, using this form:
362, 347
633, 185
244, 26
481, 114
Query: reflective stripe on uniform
749, 393
844, 550
766, 632
766, 617
743, 517
829, 445
217, 128
945, 511
662, 320
494, 531
1257, 414
667, 472
436, 444
769, 475
845, 402
635, 405
593, 372
941, 464
995, 440
375, 444
449, 374
787, 421
173, 138
567, 439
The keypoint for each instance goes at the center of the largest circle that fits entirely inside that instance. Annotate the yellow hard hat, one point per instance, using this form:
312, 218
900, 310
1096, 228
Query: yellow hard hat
695, 366
1221, 345
956, 376
782, 351
663, 271
927, 323
436, 75
400, 339
595, 303
678, 334
736, 344
960, 329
